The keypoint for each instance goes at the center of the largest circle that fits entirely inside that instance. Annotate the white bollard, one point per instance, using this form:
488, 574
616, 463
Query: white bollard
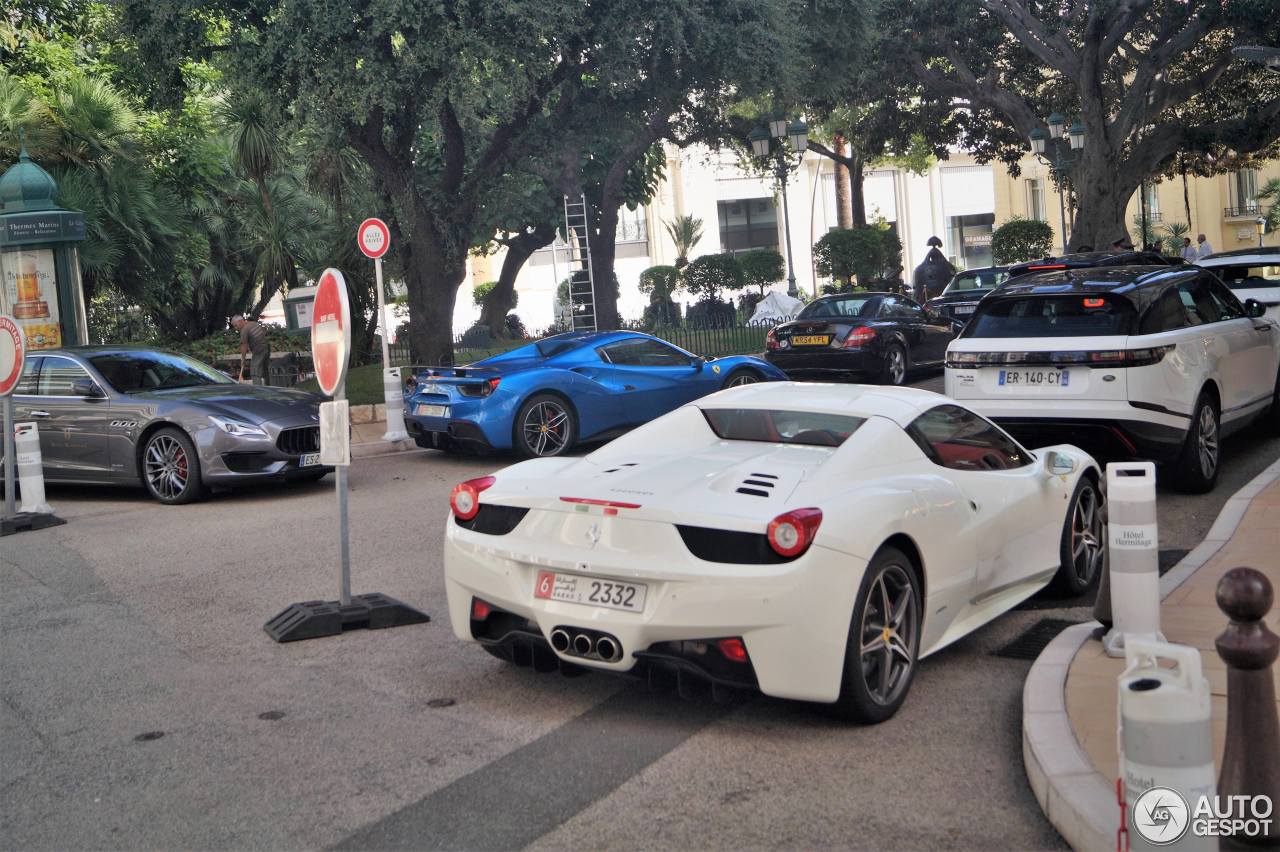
393, 396
1134, 556
1166, 745
26, 444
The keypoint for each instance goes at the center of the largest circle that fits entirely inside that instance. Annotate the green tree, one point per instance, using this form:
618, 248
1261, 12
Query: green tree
1271, 192
661, 282
481, 292
1174, 232
761, 268
710, 275
1020, 240
685, 232
1149, 83
862, 252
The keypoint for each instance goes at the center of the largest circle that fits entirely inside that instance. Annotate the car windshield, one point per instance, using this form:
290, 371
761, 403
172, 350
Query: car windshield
1073, 315
131, 372
976, 279
851, 306
781, 427
1249, 277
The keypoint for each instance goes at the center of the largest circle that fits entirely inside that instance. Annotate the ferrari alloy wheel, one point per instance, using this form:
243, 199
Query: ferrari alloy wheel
884, 639
1082, 553
895, 364
171, 468
1196, 468
545, 426
741, 377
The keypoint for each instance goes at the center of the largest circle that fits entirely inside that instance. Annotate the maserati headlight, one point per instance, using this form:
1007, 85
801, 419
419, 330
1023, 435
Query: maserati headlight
238, 428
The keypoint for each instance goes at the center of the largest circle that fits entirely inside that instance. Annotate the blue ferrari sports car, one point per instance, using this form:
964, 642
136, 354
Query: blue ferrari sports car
541, 399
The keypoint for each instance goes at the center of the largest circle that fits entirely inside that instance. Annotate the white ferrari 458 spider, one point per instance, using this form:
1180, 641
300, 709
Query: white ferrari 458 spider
811, 541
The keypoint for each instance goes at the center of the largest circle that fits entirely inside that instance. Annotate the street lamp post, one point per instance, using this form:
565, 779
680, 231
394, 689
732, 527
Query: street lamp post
1061, 159
777, 141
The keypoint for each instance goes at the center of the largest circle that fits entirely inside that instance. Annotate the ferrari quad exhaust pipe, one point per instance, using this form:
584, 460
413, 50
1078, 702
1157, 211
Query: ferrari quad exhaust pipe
560, 640
608, 649
582, 645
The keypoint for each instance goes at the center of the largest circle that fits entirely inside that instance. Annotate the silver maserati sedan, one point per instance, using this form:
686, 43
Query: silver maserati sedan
124, 415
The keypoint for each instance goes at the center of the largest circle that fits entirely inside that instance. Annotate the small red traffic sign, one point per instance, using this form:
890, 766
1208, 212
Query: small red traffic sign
12, 354
373, 237
331, 331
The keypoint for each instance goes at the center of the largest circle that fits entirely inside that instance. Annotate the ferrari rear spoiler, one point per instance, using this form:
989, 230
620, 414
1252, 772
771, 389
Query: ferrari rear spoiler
448, 372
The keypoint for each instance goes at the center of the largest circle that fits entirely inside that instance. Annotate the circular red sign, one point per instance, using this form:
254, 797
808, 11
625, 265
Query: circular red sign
12, 354
331, 331
373, 237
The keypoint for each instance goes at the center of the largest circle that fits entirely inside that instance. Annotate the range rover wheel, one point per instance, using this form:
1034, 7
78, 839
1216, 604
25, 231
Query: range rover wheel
1196, 469
171, 467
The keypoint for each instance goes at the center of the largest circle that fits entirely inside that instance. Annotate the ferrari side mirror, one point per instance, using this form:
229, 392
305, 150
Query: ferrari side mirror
1059, 464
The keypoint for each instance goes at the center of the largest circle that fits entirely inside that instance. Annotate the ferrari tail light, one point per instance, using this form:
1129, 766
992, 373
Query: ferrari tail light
482, 389
771, 339
859, 337
733, 649
791, 533
465, 497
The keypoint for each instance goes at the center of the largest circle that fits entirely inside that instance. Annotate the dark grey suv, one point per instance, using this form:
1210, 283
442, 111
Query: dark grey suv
124, 415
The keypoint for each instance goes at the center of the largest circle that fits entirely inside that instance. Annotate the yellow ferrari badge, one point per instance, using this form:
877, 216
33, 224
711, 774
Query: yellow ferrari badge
715, 368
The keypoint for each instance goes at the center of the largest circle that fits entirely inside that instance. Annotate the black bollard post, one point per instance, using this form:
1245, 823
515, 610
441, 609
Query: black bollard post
1251, 758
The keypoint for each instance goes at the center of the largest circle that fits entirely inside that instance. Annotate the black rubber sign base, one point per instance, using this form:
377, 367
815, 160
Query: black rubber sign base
28, 522
313, 619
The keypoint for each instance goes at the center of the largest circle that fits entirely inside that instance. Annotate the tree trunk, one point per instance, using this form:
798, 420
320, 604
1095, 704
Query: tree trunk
1104, 184
500, 299
857, 196
844, 205
1186, 197
603, 251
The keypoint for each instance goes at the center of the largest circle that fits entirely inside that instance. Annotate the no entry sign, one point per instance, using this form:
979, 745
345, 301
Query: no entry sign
12, 354
331, 331
373, 237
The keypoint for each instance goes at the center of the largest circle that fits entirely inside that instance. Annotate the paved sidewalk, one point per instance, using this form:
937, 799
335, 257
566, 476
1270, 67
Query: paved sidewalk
366, 439
1069, 701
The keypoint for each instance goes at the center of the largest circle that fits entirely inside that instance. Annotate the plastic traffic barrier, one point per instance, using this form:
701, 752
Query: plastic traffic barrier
26, 439
1165, 741
1134, 560
393, 396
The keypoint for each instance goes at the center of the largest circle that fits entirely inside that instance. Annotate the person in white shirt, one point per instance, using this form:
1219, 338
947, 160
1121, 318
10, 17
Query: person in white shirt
1205, 248
1188, 251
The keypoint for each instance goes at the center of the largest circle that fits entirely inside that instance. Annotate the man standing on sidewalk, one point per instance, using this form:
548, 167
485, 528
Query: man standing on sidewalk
253, 338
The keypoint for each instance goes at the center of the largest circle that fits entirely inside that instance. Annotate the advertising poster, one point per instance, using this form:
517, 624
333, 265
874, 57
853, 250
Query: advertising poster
31, 296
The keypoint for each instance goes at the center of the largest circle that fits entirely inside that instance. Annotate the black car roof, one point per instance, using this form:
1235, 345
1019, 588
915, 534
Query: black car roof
1244, 252
1125, 280
1094, 259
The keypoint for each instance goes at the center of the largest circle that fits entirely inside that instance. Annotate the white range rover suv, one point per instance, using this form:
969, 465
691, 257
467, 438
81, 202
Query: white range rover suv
1152, 362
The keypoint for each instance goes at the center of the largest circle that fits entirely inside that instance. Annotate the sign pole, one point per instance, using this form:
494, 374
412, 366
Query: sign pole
344, 536
8, 457
331, 354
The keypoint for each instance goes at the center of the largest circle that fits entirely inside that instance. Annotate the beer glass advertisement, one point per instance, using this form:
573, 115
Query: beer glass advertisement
31, 296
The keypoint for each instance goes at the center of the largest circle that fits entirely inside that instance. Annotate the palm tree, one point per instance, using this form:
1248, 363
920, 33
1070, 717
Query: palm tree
686, 232
1271, 192
256, 146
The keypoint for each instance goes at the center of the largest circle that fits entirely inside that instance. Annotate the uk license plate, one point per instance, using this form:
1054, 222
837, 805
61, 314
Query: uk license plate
590, 591
810, 339
962, 310
309, 460
1035, 378
424, 410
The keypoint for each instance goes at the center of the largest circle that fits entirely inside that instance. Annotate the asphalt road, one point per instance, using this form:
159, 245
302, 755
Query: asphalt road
135, 620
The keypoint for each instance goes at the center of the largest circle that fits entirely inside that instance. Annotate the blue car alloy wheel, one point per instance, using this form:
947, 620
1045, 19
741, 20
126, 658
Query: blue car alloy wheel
545, 426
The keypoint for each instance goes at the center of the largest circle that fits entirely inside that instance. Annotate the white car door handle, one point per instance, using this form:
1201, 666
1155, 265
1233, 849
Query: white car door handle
37, 413
1266, 326
974, 505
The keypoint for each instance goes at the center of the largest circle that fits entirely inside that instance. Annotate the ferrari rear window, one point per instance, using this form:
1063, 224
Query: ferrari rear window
772, 426
1065, 315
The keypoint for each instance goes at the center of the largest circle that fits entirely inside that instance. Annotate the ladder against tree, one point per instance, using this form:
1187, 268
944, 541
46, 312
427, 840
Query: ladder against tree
582, 287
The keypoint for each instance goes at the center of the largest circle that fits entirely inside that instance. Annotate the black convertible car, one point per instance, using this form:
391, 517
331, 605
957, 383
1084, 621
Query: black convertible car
878, 337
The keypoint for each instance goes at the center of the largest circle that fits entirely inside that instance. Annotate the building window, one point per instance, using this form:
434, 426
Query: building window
1242, 187
747, 223
1035, 200
970, 239
632, 225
